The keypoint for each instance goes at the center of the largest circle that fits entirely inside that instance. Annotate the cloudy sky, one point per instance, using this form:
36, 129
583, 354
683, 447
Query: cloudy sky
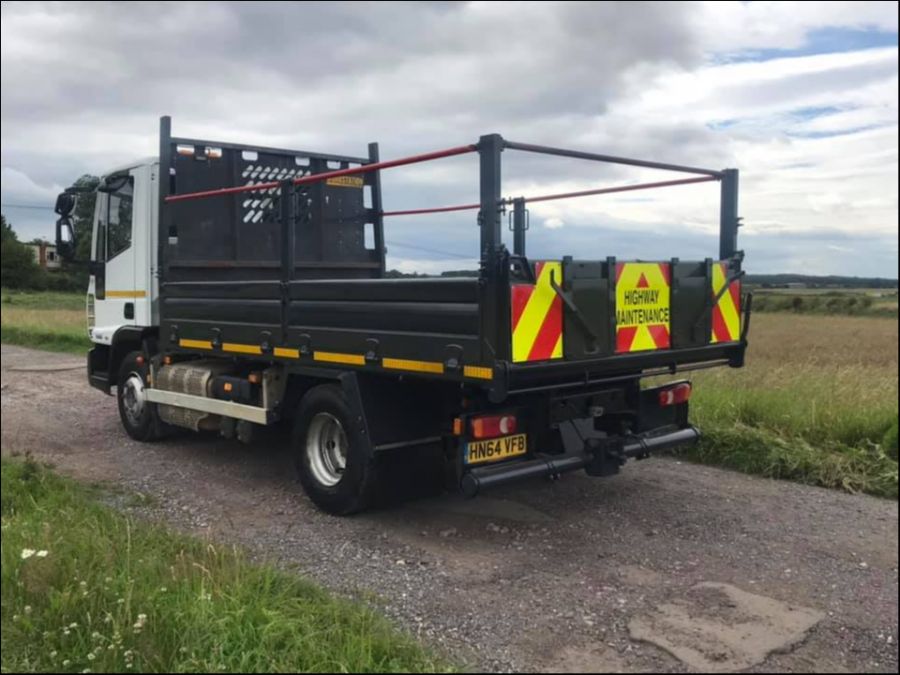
801, 97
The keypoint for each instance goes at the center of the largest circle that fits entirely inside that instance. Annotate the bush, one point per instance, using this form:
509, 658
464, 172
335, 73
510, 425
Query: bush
72, 278
18, 268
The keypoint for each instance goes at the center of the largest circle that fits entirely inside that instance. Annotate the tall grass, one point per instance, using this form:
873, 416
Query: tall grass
43, 299
51, 321
814, 403
84, 587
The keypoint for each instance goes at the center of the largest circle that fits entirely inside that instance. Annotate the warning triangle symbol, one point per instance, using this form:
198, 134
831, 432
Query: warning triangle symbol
642, 282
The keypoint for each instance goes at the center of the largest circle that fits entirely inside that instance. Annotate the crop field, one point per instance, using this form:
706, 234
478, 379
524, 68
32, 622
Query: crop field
816, 403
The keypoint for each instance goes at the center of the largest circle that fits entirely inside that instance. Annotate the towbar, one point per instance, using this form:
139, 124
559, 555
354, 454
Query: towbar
481, 479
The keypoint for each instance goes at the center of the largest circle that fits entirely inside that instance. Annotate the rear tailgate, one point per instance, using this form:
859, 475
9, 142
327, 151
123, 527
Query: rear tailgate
581, 316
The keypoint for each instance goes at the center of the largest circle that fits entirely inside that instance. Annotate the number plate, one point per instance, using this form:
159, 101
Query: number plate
496, 449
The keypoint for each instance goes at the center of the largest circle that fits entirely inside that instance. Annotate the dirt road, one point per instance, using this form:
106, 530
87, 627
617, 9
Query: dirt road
666, 567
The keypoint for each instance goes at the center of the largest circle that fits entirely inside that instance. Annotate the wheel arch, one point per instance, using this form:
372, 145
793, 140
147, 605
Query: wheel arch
129, 339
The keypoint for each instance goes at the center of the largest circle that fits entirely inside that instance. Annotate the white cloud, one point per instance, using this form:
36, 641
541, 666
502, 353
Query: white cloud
20, 188
821, 158
731, 27
815, 136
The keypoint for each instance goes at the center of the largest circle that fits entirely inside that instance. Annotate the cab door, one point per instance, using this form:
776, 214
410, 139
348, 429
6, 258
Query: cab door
113, 289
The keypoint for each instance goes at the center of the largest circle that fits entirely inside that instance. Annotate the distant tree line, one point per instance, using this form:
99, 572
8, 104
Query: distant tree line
831, 281
20, 270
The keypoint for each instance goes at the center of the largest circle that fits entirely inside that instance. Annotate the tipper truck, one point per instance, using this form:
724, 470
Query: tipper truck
235, 286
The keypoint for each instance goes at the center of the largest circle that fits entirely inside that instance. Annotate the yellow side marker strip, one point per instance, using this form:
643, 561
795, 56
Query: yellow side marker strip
337, 357
481, 372
414, 366
195, 344
287, 353
126, 294
241, 349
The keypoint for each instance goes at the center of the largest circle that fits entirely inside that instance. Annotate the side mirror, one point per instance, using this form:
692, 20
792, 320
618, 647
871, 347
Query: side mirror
65, 204
65, 230
65, 238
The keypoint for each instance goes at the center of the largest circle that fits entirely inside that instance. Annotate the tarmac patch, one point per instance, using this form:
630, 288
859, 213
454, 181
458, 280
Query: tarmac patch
720, 628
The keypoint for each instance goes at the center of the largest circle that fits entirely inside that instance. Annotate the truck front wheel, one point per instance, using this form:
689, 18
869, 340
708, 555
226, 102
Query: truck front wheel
138, 415
333, 466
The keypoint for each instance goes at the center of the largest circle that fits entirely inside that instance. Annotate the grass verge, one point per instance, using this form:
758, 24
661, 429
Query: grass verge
816, 403
49, 340
757, 450
43, 299
84, 587
44, 321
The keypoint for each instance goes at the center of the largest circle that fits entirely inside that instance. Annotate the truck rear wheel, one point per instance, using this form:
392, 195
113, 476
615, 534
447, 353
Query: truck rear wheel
332, 464
138, 415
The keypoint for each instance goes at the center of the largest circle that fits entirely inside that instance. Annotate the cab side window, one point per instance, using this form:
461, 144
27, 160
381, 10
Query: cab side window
114, 222
118, 221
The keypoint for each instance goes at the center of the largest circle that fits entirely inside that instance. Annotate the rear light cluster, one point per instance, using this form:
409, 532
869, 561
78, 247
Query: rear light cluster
680, 393
491, 426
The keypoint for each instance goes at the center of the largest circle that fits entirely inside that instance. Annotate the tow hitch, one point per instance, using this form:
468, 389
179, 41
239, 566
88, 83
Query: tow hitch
598, 456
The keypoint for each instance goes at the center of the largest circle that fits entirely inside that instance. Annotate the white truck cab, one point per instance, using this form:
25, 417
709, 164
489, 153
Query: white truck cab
123, 283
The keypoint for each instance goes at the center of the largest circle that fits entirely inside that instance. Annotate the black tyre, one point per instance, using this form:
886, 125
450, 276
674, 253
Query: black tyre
334, 469
138, 415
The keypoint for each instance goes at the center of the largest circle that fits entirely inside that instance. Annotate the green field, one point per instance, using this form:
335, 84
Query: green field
86, 589
44, 320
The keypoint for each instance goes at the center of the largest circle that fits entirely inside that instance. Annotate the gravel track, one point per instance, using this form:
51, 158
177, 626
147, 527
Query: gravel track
534, 576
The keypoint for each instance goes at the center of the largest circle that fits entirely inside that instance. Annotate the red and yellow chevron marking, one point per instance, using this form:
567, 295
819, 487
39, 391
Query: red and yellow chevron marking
643, 292
537, 318
726, 315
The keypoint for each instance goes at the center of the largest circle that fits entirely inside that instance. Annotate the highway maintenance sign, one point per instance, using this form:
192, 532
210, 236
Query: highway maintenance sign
643, 295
